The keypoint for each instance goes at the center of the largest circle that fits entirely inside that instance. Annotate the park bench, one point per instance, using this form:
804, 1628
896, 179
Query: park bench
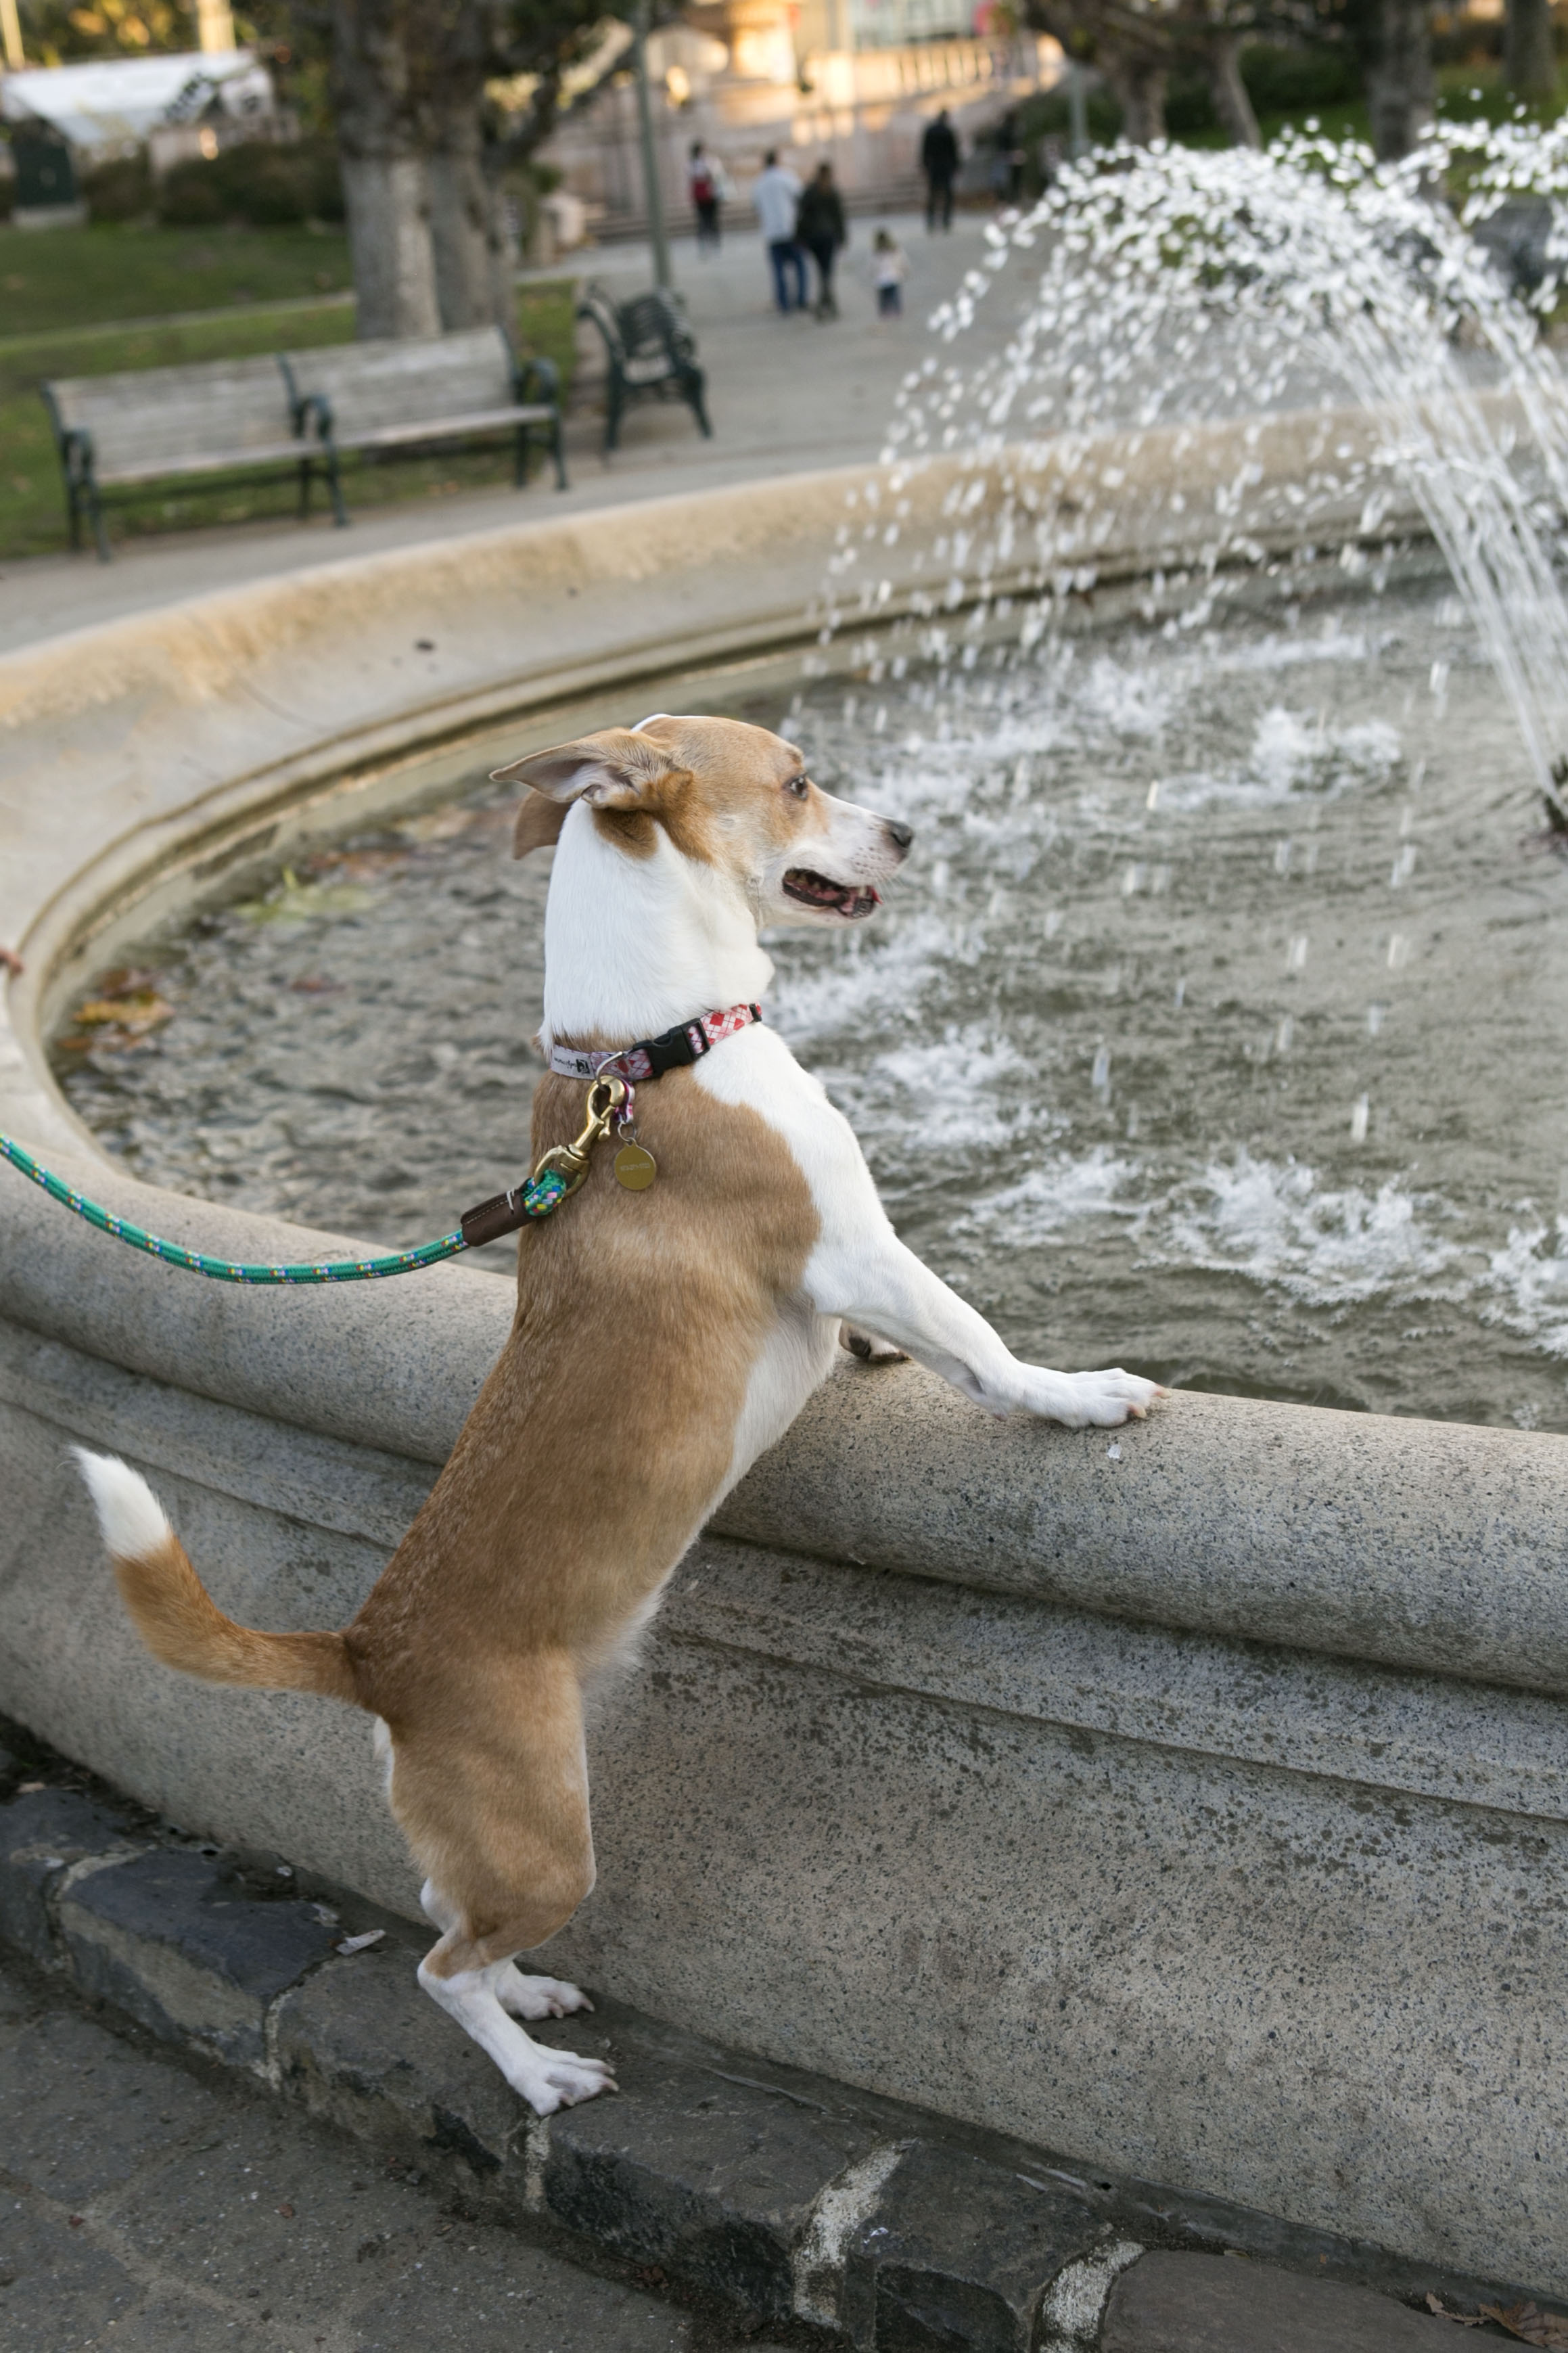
392, 397
117, 434
650, 350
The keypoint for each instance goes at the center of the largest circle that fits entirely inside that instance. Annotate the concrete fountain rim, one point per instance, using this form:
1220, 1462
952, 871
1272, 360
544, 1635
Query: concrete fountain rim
213, 724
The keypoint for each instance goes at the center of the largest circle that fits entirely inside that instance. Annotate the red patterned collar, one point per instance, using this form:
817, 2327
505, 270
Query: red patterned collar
651, 1057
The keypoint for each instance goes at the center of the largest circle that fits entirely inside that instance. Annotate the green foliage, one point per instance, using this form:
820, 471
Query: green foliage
260, 186
1189, 106
1048, 117
1283, 80
120, 190
62, 32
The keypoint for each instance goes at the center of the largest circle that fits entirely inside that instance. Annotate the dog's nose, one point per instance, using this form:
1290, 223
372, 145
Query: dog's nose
900, 836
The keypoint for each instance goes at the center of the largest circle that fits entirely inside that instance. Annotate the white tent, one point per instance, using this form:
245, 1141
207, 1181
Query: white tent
115, 103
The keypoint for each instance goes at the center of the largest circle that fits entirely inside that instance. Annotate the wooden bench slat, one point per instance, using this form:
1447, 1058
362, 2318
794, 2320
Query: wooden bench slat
438, 384
212, 461
430, 428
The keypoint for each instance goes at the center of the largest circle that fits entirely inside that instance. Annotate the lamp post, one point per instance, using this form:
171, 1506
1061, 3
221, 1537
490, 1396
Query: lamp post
1078, 110
651, 192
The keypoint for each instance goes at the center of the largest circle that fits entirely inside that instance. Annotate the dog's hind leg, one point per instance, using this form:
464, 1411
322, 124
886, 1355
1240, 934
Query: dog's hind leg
498, 1811
519, 1995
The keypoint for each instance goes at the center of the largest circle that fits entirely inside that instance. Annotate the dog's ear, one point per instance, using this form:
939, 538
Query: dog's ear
539, 824
615, 769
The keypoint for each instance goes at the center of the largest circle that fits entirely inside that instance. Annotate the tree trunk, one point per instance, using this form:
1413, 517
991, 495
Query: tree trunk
1530, 53
462, 224
1401, 93
385, 196
1231, 101
506, 257
1138, 81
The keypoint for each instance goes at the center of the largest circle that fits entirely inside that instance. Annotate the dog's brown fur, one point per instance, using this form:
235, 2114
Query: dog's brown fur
588, 1461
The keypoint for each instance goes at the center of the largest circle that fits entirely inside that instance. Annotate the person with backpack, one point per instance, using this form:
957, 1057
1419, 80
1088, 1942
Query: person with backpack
706, 191
821, 227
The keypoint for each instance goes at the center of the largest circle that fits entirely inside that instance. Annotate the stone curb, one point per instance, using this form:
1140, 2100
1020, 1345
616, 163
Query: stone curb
791, 2197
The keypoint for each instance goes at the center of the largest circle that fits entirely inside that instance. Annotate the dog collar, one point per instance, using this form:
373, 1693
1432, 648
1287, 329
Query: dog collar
673, 1050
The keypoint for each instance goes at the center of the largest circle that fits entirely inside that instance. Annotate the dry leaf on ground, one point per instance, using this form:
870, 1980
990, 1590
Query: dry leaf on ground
1530, 2325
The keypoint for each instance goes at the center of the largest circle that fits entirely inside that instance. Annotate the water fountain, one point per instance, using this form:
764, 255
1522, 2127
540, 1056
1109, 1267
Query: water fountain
1231, 1749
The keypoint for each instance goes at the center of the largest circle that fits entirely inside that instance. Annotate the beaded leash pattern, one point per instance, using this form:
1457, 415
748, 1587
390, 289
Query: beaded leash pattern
536, 1199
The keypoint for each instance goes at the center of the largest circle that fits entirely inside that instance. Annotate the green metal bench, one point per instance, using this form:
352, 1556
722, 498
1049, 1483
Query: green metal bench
651, 352
119, 435
394, 398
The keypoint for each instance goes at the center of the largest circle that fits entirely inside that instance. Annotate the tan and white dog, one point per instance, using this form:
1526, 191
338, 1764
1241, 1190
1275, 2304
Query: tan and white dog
663, 1340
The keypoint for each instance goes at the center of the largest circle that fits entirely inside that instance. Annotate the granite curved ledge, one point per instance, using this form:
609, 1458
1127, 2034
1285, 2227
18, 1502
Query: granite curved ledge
1196, 1807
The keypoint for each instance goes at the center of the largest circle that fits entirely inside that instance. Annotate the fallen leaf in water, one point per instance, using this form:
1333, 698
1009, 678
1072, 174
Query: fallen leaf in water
1530, 2325
1464, 2319
144, 1010
436, 824
301, 902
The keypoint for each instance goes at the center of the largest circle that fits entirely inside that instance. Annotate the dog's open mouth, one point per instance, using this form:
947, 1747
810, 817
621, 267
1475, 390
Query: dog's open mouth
851, 900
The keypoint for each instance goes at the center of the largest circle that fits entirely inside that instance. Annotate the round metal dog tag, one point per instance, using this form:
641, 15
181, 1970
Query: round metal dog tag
634, 1168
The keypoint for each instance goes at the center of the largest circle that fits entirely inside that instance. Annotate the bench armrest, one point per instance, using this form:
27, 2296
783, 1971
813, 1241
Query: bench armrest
537, 379
313, 412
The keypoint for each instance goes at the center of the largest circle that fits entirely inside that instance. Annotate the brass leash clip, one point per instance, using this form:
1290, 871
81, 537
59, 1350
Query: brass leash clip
571, 1161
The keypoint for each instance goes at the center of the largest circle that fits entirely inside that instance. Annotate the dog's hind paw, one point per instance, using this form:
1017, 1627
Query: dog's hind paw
526, 1996
559, 2079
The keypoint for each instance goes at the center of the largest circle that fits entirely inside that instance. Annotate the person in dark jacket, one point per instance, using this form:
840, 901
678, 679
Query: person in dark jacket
822, 229
939, 162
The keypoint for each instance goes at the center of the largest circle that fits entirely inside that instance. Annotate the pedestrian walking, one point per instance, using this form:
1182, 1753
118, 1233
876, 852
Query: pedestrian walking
778, 199
889, 268
939, 162
821, 227
706, 192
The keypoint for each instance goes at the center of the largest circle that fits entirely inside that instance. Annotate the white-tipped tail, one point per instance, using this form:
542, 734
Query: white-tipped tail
130, 1516
175, 1615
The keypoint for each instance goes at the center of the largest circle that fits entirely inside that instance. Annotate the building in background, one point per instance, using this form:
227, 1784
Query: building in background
854, 81
187, 104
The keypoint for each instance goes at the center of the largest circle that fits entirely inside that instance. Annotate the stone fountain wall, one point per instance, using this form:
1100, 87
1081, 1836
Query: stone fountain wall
1194, 1802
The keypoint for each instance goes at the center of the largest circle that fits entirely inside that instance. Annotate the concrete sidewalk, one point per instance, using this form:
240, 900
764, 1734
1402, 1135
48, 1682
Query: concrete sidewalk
785, 396
147, 2205
385, 2191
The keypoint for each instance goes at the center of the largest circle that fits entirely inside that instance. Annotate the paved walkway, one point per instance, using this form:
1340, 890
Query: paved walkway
152, 2210
785, 395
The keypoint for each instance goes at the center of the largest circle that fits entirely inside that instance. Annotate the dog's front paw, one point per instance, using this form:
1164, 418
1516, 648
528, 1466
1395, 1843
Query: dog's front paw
1105, 1400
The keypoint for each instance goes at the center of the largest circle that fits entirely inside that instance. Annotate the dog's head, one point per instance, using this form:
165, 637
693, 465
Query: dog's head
733, 798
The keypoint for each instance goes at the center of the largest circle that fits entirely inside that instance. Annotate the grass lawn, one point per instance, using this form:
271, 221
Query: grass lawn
32, 503
57, 277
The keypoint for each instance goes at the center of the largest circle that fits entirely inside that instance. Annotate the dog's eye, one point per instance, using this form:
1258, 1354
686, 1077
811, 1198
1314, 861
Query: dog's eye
799, 787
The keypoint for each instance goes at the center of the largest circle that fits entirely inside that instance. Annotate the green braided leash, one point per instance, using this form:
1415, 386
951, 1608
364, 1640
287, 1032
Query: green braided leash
537, 1198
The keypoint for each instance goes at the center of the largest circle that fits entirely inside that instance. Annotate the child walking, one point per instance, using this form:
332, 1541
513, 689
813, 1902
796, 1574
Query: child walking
889, 269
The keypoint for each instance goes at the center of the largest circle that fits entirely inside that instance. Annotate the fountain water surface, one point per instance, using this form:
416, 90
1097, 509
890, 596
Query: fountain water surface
1219, 1023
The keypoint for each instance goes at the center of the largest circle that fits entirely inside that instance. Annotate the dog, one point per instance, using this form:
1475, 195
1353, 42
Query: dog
665, 1338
